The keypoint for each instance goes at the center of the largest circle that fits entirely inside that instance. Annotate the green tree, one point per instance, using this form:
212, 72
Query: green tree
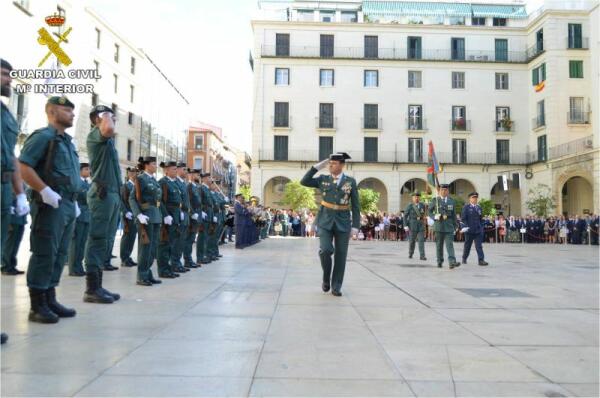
368, 199
459, 203
487, 207
245, 191
540, 200
297, 196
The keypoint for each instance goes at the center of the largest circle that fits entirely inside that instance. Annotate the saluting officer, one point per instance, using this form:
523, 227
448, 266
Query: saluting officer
144, 201
184, 225
340, 194
202, 254
129, 228
471, 217
82, 225
443, 211
193, 189
415, 213
50, 166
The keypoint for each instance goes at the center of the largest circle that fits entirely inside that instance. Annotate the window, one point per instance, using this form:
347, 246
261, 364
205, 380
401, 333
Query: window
371, 46
459, 116
327, 16
116, 52
414, 79
575, 39
501, 53
456, 20
97, 68
116, 82
326, 77
306, 15
115, 108
371, 146
131, 93
576, 69
576, 114
326, 116
130, 118
538, 74
415, 117
371, 78
326, 50
281, 147
415, 150
502, 156
325, 147
501, 81
499, 22
94, 99
371, 117
282, 45
542, 149
282, 114
503, 122
414, 47
129, 150
458, 79
458, 48
539, 40
282, 76
478, 21
459, 151
349, 16
97, 38
198, 162
132, 66
541, 114
199, 142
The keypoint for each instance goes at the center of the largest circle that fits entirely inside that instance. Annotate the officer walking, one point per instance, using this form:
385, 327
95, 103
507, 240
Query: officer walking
340, 194
13, 241
202, 255
144, 201
193, 189
415, 214
103, 202
50, 166
129, 228
443, 211
82, 225
471, 217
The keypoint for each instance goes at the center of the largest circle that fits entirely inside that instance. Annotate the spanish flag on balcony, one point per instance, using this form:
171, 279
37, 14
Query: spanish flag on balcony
539, 87
433, 166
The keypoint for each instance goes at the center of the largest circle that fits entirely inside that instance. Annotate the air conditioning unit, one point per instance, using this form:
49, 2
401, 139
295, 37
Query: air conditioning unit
471, 58
588, 143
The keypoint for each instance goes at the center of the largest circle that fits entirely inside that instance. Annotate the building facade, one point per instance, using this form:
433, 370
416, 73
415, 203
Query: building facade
501, 91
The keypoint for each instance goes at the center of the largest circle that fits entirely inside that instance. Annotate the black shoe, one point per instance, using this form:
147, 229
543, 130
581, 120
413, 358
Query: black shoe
410, 256
93, 292
154, 281
3, 338
126, 263
181, 270
144, 283
39, 307
454, 265
109, 267
482, 263
325, 287
464, 261
439, 265
13, 271
77, 273
167, 275
423, 258
56, 307
336, 293
113, 256
219, 255
115, 296
130, 261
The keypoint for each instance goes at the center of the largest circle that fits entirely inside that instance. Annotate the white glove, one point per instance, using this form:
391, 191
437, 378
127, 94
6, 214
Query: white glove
321, 165
143, 219
22, 206
226, 200
50, 197
182, 216
168, 220
12, 210
129, 215
465, 229
203, 215
195, 216
430, 221
77, 210
354, 231
214, 219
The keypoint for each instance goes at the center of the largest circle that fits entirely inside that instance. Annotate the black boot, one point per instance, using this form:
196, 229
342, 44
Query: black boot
115, 296
93, 293
56, 307
39, 307
4, 338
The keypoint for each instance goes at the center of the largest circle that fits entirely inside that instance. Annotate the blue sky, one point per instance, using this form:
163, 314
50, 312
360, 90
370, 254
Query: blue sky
202, 46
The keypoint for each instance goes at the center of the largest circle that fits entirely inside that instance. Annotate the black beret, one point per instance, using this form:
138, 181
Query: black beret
98, 109
62, 101
340, 156
82, 165
473, 194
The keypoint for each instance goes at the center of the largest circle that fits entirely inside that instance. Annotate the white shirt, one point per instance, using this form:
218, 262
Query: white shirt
339, 178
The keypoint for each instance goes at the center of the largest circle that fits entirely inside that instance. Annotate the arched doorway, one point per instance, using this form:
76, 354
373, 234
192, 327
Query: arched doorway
461, 188
506, 202
414, 184
377, 186
577, 196
273, 192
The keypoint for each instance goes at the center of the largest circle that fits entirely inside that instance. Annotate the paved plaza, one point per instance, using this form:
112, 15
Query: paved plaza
256, 323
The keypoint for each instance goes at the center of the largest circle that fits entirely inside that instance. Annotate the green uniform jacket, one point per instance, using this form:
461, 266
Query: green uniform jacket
172, 205
84, 217
344, 193
185, 201
151, 194
207, 203
104, 162
10, 132
195, 199
415, 214
125, 192
449, 223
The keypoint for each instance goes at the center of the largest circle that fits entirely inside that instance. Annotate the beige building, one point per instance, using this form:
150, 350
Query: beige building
501, 91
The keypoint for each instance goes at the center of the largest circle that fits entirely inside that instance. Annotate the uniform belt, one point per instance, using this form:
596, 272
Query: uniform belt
147, 205
7, 176
334, 206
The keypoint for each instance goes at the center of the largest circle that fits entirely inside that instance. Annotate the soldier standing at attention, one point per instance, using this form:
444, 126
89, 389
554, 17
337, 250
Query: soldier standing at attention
207, 215
129, 228
50, 166
443, 211
193, 190
340, 194
416, 216
471, 217
218, 218
144, 201
16, 230
82, 225
103, 201
184, 225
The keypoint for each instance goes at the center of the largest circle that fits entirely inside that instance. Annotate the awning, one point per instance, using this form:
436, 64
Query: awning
499, 11
428, 9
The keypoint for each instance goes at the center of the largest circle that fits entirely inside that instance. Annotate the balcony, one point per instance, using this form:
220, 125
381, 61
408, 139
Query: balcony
538, 121
535, 50
416, 125
504, 126
578, 117
572, 147
327, 123
397, 54
582, 43
460, 125
371, 123
281, 123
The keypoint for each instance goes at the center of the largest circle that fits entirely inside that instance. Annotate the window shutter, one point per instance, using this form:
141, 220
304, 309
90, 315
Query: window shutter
543, 71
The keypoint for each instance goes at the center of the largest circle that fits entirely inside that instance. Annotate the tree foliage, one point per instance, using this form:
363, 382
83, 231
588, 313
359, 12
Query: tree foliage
245, 191
298, 197
368, 199
540, 200
487, 207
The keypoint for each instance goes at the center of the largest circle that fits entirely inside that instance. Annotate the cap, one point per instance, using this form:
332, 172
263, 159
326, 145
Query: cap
146, 159
340, 156
98, 109
131, 169
204, 175
444, 185
194, 171
169, 163
82, 165
416, 193
181, 164
474, 194
62, 101
237, 195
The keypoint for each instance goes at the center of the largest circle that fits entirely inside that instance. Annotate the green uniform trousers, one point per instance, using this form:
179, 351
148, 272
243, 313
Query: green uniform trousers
11, 247
213, 241
190, 237
333, 242
6, 202
147, 252
179, 245
51, 233
104, 221
448, 239
77, 248
416, 236
167, 250
202, 243
127, 240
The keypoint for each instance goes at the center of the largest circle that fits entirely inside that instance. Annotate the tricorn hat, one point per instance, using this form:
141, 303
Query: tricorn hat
146, 159
169, 163
98, 109
340, 156
83, 164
